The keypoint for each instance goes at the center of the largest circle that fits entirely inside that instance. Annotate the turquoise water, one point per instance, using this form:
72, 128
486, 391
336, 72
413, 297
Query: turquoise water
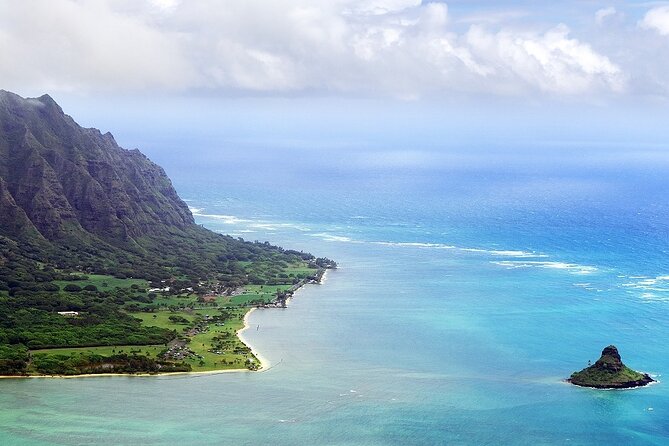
461, 304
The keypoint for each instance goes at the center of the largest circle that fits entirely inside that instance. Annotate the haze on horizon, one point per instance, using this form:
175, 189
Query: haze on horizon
403, 83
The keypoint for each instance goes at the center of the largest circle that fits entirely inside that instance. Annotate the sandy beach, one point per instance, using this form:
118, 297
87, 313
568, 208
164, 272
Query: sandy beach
264, 363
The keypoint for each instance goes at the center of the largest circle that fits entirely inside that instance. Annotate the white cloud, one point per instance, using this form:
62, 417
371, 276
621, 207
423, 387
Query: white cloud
551, 61
69, 45
168, 5
401, 48
657, 19
602, 14
379, 7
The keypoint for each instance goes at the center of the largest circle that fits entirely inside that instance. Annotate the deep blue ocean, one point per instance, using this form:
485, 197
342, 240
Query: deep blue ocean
463, 300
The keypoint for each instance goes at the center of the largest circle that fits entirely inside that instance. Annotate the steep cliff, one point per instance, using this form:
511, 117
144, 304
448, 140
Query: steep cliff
68, 179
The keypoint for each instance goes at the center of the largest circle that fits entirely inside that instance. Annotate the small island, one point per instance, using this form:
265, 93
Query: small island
609, 372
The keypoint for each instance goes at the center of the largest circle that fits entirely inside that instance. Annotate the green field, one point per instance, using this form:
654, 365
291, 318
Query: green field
254, 293
201, 343
300, 271
104, 350
168, 301
104, 282
161, 319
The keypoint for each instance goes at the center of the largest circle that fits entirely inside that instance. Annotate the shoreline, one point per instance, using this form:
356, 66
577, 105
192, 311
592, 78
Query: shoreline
264, 362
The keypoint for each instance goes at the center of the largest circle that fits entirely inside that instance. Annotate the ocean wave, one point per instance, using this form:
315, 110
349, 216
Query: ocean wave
519, 254
333, 237
274, 226
255, 224
572, 268
492, 252
649, 288
227, 219
649, 295
415, 245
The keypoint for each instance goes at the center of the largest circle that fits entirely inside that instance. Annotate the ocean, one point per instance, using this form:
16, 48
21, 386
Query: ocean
463, 299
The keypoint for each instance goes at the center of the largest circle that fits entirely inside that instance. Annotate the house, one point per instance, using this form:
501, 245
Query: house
69, 313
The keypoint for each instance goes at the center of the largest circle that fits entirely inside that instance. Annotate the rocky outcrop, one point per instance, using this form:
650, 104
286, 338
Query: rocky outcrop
609, 372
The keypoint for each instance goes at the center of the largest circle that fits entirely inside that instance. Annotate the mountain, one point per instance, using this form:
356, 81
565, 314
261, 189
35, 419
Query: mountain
97, 250
67, 179
72, 198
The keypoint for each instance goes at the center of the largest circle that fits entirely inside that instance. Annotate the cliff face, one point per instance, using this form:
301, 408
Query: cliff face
59, 180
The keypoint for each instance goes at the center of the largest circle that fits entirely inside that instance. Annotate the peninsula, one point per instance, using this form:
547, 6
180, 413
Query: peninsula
102, 266
609, 372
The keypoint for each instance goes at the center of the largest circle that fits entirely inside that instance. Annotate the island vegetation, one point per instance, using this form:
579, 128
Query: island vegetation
102, 267
609, 372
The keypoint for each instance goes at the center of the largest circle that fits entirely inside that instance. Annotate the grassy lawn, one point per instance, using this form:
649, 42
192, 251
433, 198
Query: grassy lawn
162, 319
246, 299
164, 302
167, 301
100, 280
271, 289
265, 293
203, 342
300, 271
104, 350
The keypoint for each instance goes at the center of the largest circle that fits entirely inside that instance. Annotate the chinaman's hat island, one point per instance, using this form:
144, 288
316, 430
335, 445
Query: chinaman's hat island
609, 372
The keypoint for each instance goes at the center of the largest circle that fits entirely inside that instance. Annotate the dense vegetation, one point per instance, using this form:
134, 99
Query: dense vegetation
97, 249
609, 372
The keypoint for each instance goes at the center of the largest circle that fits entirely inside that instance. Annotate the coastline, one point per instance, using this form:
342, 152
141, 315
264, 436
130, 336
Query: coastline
264, 363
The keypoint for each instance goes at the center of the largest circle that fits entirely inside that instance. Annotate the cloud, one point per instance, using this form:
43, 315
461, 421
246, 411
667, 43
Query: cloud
379, 7
400, 48
657, 19
69, 45
551, 61
603, 14
168, 5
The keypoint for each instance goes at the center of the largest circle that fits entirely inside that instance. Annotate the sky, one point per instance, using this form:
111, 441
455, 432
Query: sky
409, 78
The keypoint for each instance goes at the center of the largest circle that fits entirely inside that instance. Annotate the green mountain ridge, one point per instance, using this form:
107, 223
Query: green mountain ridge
71, 197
